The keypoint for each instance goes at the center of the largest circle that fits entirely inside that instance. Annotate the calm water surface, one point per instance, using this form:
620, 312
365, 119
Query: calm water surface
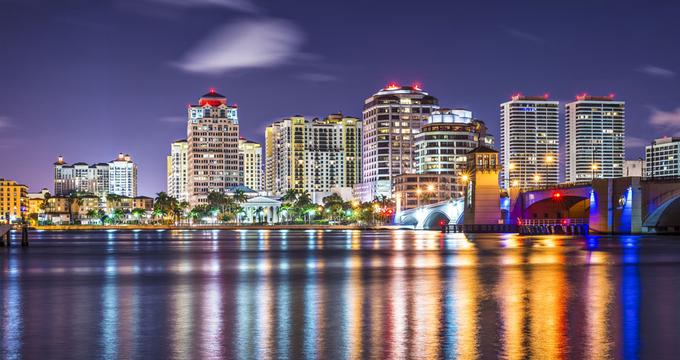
339, 295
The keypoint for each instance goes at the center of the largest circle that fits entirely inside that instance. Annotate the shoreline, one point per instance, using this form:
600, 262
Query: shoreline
213, 227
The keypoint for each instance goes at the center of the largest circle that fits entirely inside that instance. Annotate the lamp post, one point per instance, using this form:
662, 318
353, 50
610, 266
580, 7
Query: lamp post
549, 159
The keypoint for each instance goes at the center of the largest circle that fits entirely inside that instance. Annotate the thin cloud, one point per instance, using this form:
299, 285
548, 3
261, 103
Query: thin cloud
636, 142
247, 44
316, 77
240, 5
173, 119
656, 71
5, 122
668, 121
523, 35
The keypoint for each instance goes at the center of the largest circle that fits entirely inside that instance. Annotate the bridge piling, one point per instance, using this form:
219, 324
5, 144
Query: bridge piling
24, 236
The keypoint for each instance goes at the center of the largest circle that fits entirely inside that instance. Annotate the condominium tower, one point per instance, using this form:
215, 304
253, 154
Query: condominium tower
212, 137
529, 141
118, 176
178, 170
13, 201
317, 156
595, 128
391, 119
123, 176
250, 154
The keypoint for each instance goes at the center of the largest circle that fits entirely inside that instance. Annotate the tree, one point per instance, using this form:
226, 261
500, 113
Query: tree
164, 205
240, 196
72, 200
335, 206
138, 213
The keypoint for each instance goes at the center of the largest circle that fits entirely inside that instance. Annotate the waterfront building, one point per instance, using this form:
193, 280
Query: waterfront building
662, 158
250, 155
529, 141
634, 168
416, 190
123, 176
317, 156
13, 201
212, 137
443, 142
391, 119
178, 170
36, 203
595, 128
118, 176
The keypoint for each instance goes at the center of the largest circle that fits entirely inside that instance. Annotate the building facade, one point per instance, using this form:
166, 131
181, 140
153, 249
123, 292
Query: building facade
416, 190
529, 141
250, 154
178, 170
317, 156
13, 201
442, 145
634, 168
212, 137
391, 119
662, 158
123, 176
595, 127
118, 176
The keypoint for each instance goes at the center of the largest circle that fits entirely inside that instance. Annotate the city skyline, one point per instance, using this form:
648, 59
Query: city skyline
140, 95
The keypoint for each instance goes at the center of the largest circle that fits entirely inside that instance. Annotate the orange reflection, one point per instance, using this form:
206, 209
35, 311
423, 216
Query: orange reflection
597, 300
466, 290
512, 295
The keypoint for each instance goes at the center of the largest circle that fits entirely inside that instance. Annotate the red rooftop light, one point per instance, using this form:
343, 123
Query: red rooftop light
392, 86
212, 90
416, 86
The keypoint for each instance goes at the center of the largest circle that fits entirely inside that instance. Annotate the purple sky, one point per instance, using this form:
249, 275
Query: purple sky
88, 79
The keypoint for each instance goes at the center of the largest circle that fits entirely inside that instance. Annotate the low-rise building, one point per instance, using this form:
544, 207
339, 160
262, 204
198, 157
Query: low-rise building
416, 190
13, 201
634, 168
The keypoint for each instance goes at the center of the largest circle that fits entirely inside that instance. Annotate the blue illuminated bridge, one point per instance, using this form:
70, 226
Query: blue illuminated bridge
623, 206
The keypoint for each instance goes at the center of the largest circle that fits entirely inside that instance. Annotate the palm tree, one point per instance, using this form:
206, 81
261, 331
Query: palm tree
138, 213
71, 201
240, 196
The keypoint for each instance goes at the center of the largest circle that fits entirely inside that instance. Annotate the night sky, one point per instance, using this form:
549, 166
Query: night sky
88, 79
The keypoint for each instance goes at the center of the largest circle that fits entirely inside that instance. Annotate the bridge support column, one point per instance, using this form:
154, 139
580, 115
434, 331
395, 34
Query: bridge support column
616, 206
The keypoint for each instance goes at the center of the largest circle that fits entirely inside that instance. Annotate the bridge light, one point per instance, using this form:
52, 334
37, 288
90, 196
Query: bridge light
464, 178
557, 195
515, 183
430, 187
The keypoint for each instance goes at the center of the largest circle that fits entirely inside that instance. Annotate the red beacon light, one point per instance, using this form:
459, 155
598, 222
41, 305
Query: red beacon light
416, 86
392, 86
212, 90
557, 196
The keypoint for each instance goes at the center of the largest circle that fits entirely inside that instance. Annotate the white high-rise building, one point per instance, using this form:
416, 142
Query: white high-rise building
662, 158
318, 156
123, 176
251, 156
391, 119
178, 170
595, 127
212, 136
529, 141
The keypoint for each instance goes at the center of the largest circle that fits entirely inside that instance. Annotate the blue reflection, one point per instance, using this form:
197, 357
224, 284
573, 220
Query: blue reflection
13, 322
109, 324
283, 313
310, 311
630, 298
592, 243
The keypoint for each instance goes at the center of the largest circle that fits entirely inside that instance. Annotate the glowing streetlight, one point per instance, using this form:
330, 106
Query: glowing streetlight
512, 166
537, 178
465, 178
430, 187
515, 183
549, 159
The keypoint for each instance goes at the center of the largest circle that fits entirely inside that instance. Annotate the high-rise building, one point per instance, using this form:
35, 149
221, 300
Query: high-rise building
317, 156
212, 136
391, 119
13, 201
662, 158
178, 170
442, 145
529, 141
250, 154
595, 127
118, 176
123, 176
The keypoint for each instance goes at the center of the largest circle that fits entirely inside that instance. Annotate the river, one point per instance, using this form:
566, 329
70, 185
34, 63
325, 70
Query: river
335, 294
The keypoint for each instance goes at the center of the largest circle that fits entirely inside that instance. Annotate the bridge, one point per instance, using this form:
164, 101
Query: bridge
624, 205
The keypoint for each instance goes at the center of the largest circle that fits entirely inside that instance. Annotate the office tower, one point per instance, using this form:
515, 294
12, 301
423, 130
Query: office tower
317, 156
123, 176
178, 170
529, 141
212, 136
250, 154
391, 119
13, 201
443, 141
662, 158
595, 128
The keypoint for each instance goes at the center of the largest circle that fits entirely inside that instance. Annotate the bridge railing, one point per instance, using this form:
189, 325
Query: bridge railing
548, 222
569, 185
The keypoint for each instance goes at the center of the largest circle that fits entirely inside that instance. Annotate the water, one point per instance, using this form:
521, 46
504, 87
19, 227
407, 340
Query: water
339, 295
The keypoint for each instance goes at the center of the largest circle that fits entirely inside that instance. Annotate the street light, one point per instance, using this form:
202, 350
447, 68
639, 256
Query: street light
537, 178
593, 167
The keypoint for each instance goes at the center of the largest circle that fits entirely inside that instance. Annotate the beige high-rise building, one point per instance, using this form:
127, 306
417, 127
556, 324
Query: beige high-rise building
391, 119
250, 153
178, 169
212, 137
317, 156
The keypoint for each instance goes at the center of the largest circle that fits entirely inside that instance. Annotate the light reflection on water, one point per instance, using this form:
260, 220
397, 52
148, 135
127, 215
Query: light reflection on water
338, 294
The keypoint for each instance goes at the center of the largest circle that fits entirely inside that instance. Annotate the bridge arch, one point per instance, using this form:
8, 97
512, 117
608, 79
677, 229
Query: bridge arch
665, 210
567, 206
435, 219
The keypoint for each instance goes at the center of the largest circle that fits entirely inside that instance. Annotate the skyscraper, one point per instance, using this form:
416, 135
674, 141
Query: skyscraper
595, 127
529, 141
123, 176
317, 156
250, 154
212, 136
178, 169
442, 144
662, 158
391, 119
